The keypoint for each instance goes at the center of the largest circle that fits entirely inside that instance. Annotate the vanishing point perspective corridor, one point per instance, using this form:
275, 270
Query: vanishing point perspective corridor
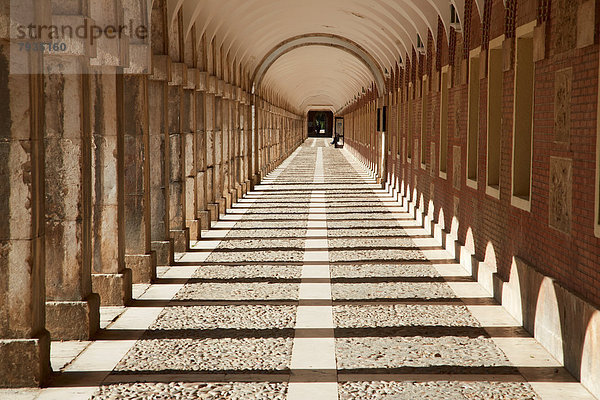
316, 285
300, 199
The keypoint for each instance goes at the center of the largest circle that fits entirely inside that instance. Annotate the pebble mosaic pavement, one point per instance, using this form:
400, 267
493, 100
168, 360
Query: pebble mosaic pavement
234, 327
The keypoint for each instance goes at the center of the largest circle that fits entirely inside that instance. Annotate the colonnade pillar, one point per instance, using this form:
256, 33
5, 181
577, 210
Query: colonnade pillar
177, 218
24, 341
72, 309
211, 146
202, 149
218, 146
161, 243
110, 278
139, 256
189, 123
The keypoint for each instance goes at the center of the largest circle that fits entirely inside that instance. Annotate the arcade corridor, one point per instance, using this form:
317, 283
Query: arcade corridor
316, 283
169, 230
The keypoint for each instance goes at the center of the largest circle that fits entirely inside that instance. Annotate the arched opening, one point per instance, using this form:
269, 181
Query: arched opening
320, 123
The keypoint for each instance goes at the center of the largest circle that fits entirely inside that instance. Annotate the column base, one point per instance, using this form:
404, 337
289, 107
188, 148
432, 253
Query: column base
194, 227
236, 194
213, 209
228, 200
113, 289
181, 240
25, 362
165, 252
73, 320
142, 266
255, 180
222, 205
204, 218
248, 186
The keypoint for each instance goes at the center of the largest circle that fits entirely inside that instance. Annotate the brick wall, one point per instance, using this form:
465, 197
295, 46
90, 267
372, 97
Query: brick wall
566, 250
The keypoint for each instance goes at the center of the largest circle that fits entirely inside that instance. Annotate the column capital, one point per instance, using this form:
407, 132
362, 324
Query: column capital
212, 84
202, 80
161, 68
220, 88
140, 59
76, 46
227, 91
192, 79
178, 74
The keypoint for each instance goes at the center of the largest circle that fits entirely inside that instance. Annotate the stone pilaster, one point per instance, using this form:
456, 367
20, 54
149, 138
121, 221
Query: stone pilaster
247, 146
110, 279
72, 310
227, 130
210, 121
161, 241
201, 153
221, 136
179, 232
139, 256
188, 123
218, 146
24, 341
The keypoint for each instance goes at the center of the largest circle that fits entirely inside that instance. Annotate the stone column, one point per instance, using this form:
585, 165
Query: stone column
189, 129
201, 153
210, 115
139, 256
24, 341
247, 147
235, 146
218, 146
225, 201
110, 279
257, 142
72, 310
161, 241
179, 232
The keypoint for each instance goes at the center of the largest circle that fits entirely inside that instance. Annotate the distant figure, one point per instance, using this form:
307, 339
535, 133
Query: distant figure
317, 127
336, 138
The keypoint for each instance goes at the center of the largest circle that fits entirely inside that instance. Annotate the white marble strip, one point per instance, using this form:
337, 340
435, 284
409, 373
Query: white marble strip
311, 356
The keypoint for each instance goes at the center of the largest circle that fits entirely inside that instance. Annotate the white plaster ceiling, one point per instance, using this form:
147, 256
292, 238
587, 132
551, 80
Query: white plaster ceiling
329, 76
249, 30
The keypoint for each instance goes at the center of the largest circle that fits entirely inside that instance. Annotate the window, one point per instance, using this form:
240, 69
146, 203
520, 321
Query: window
424, 113
473, 119
494, 117
444, 124
597, 214
410, 117
523, 119
399, 124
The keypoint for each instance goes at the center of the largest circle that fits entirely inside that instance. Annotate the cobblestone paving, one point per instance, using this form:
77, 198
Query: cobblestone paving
383, 271
389, 339
436, 391
193, 391
244, 271
237, 314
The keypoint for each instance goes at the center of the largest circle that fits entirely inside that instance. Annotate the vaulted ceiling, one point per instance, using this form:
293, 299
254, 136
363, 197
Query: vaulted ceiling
315, 52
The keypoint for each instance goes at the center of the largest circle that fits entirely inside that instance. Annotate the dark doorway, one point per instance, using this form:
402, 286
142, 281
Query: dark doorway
320, 123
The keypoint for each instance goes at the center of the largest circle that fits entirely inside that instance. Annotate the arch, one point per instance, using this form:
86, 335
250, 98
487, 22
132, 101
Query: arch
321, 40
590, 358
547, 328
512, 299
337, 77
